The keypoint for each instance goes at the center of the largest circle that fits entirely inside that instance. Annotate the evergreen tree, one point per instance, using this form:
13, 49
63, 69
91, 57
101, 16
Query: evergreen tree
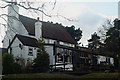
41, 63
112, 42
94, 42
75, 33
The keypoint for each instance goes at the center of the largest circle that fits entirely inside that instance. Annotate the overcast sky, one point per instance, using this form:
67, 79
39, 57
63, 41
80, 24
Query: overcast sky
89, 16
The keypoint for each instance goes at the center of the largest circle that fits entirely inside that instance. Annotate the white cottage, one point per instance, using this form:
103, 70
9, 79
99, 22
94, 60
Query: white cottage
23, 33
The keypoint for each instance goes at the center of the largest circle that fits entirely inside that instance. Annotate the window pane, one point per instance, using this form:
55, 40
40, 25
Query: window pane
30, 52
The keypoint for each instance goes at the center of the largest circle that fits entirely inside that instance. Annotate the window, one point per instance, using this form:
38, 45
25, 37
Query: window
30, 52
82, 60
64, 55
38, 51
49, 41
59, 57
68, 57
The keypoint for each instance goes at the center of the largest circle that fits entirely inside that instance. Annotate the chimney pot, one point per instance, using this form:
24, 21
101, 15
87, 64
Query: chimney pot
38, 19
38, 28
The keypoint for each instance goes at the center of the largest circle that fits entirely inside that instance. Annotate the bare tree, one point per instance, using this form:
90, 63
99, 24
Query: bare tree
104, 28
33, 7
38, 7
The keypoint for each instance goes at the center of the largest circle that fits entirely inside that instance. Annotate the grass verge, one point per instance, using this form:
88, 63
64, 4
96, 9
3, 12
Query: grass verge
61, 76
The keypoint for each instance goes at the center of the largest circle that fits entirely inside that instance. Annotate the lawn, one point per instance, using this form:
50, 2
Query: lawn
62, 76
101, 75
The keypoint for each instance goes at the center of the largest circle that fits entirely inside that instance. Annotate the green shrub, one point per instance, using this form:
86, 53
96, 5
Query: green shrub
17, 68
41, 63
8, 63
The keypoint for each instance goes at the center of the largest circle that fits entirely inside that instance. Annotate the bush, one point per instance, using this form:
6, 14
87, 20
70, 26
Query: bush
9, 65
17, 68
41, 63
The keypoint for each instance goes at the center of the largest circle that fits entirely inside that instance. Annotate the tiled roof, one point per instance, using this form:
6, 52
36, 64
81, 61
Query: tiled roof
49, 30
28, 41
25, 40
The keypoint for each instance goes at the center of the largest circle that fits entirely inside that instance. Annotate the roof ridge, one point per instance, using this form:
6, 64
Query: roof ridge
25, 36
49, 30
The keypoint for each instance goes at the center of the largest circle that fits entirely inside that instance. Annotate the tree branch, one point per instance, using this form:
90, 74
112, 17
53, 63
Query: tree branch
4, 6
54, 5
31, 8
38, 9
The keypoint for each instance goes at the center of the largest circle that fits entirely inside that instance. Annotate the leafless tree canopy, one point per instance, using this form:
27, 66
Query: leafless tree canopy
28, 5
104, 28
37, 7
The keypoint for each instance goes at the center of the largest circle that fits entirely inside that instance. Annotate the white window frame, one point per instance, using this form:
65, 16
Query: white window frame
30, 51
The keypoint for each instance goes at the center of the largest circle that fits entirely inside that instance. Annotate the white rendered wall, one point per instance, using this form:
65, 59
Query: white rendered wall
38, 30
14, 25
22, 53
16, 50
5, 42
13, 10
34, 53
49, 50
112, 61
13, 19
51, 41
22, 30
